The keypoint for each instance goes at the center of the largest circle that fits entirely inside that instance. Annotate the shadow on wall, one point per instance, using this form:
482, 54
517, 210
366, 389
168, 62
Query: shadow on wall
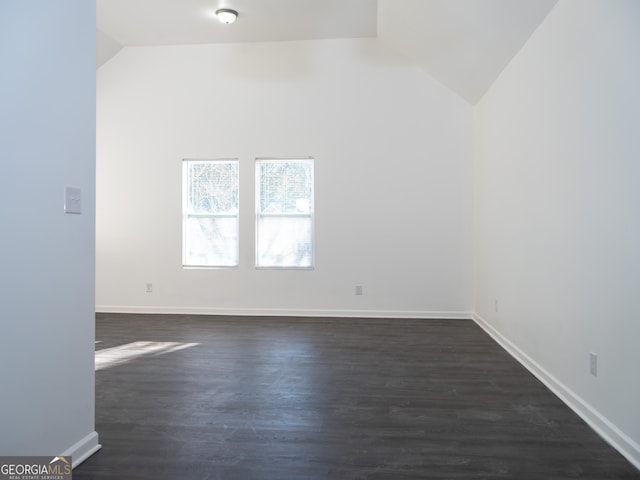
253, 61
297, 59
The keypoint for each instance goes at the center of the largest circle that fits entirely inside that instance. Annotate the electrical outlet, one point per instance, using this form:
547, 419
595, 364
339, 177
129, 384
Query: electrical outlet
593, 364
358, 290
149, 287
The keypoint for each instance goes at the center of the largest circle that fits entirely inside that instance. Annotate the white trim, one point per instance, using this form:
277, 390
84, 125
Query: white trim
285, 312
83, 449
598, 422
260, 214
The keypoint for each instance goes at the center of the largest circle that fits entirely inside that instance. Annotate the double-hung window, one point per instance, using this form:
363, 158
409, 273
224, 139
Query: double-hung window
210, 213
284, 211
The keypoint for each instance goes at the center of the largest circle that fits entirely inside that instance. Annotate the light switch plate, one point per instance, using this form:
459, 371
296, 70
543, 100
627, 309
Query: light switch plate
72, 200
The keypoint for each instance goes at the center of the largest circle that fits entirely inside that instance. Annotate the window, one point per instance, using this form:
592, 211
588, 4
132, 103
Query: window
210, 213
284, 210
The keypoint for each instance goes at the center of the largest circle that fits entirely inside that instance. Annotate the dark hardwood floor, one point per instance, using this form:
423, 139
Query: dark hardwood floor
327, 398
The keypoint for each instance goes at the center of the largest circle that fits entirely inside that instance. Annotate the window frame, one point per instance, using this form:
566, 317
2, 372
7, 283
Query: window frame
259, 214
187, 215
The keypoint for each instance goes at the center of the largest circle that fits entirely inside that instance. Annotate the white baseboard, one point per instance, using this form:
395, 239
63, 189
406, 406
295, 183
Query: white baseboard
280, 312
598, 422
83, 449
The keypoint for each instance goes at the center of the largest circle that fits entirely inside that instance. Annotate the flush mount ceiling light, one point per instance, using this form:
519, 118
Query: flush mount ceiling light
226, 15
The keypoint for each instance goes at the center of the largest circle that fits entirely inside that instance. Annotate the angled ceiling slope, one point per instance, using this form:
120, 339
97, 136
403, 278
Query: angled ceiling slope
464, 44
106, 48
179, 22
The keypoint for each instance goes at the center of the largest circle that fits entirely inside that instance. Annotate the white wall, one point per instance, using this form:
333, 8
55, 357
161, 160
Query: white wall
47, 141
393, 177
557, 210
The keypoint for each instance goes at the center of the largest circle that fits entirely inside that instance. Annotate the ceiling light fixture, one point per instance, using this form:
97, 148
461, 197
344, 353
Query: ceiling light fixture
226, 15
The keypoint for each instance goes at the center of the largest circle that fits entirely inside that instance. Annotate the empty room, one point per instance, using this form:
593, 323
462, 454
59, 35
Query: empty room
322, 239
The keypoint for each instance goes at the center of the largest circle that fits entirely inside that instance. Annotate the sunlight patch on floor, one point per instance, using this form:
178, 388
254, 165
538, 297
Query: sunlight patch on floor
111, 357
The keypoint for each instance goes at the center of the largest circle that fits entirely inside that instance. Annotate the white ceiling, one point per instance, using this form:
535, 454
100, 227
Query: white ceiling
464, 44
174, 22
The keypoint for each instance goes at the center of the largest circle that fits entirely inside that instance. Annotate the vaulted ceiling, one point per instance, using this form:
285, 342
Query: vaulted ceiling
464, 44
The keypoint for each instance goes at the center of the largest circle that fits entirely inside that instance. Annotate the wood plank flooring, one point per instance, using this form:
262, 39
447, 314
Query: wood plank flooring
327, 398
